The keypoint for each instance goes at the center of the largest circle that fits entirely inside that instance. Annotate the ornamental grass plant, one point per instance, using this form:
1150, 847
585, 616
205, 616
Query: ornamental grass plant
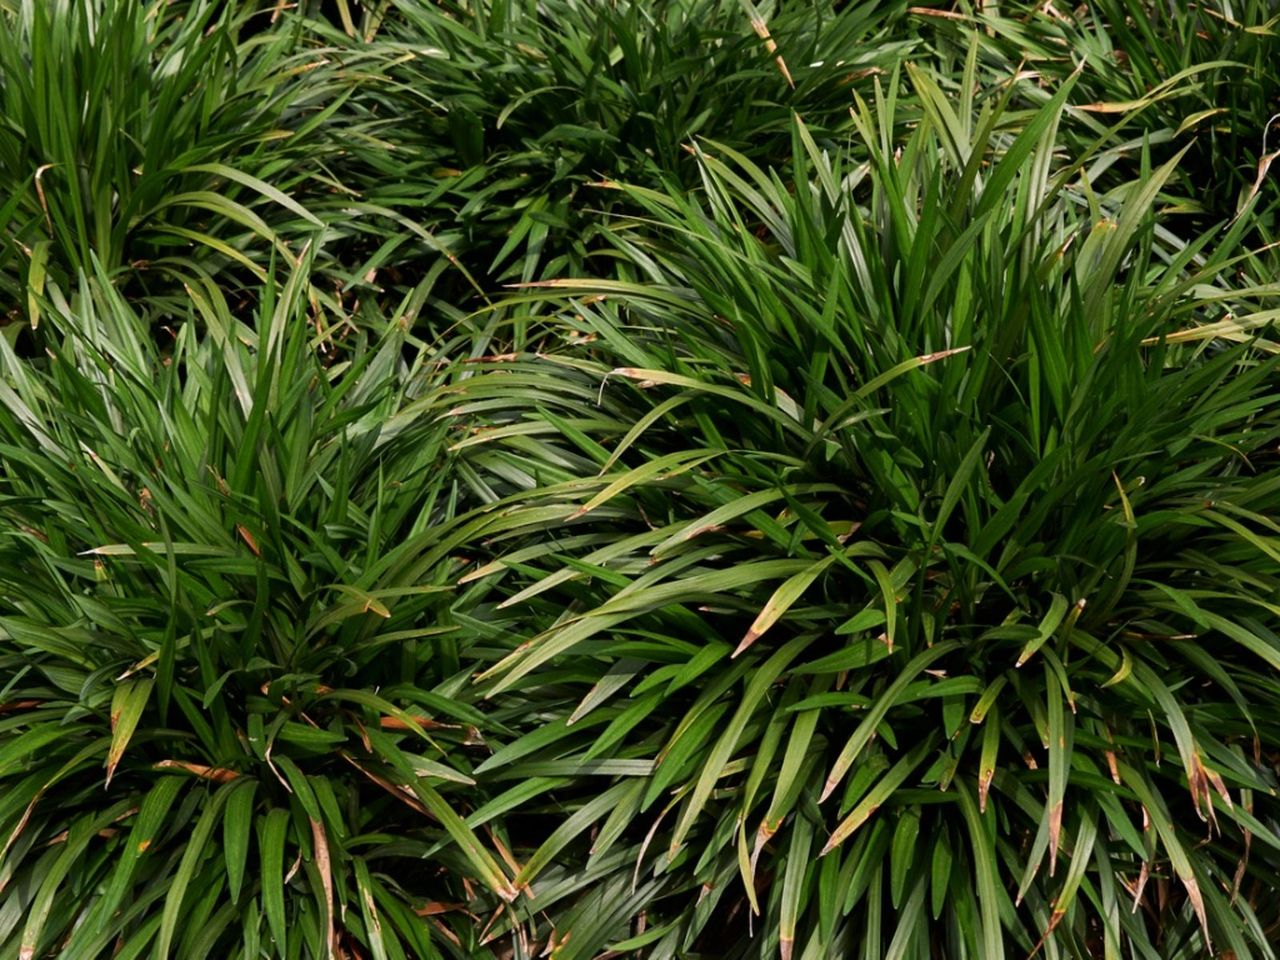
664, 480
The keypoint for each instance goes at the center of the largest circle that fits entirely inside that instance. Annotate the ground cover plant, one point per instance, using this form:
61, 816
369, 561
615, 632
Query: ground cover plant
675, 479
229, 643
1205, 74
161, 139
506, 125
879, 577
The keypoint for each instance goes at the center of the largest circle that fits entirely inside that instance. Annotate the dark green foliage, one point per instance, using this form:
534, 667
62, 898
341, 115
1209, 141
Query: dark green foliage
150, 136
227, 642
506, 117
937, 501
1200, 77
506, 479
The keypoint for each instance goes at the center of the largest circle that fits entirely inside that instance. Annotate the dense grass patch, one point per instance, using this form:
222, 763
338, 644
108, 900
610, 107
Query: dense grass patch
934, 572
675, 479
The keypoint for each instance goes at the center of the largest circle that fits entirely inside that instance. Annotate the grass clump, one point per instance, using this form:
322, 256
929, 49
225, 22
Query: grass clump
237, 711
931, 573
163, 139
692, 479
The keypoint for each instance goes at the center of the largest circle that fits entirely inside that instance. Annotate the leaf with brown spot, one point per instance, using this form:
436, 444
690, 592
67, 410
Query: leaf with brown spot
324, 868
127, 704
247, 537
878, 794
787, 594
216, 774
